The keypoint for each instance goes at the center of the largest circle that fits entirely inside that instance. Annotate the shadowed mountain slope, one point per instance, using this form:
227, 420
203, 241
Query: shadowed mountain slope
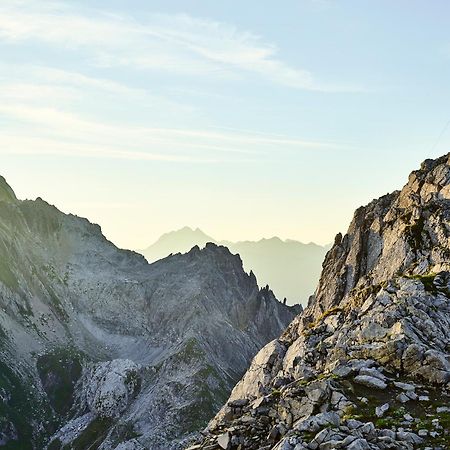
98, 347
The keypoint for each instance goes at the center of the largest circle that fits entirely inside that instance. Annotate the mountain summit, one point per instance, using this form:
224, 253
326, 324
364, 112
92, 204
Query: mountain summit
6, 193
367, 364
101, 350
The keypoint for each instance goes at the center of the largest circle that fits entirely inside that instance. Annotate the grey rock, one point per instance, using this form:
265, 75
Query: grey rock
110, 387
409, 437
371, 382
224, 441
372, 372
442, 409
359, 444
381, 410
403, 398
238, 403
405, 386
131, 445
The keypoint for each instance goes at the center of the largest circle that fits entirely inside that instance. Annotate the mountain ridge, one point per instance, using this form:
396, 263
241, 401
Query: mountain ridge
99, 347
367, 365
290, 267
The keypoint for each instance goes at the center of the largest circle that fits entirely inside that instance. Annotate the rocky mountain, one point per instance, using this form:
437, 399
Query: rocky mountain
101, 350
367, 364
290, 268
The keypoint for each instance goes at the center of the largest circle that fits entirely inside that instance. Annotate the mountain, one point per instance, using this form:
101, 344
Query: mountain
367, 364
290, 268
179, 241
101, 350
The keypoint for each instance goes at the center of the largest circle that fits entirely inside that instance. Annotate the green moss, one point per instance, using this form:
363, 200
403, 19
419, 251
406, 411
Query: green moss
275, 393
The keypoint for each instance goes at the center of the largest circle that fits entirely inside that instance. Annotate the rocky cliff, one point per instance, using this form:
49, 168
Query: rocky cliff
367, 364
101, 350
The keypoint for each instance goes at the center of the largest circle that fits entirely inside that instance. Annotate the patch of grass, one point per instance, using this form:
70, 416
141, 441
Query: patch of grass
92, 437
427, 281
190, 352
275, 393
211, 394
21, 409
59, 371
324, 315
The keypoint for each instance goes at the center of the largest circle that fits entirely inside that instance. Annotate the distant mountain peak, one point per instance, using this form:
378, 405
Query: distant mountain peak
291, 268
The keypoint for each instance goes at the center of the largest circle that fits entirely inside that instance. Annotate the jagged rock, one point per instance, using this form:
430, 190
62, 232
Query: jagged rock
376, 330
442, 409
381, 410
314, 423
8, 433
409, 437
405, 386
372, 372
224, 441
111, 386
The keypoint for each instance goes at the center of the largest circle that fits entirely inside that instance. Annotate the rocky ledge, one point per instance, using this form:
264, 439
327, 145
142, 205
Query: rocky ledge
367, 364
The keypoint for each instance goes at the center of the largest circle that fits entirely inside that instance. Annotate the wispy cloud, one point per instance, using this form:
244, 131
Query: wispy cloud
174, 43
39, 130
57, 111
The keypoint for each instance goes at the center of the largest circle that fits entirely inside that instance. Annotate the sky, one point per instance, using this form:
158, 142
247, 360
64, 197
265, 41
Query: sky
246, 119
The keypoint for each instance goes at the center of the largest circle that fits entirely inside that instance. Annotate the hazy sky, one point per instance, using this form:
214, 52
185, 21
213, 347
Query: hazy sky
244, 118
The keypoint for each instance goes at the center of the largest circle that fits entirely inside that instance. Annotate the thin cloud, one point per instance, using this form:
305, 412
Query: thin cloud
67, 126
20, 145
178, 44
35, 82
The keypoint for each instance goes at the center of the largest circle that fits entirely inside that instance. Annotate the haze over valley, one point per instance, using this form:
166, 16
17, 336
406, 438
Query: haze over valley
289, 267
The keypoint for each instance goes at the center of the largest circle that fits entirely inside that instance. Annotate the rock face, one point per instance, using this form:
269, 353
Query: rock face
100, 349
367, 364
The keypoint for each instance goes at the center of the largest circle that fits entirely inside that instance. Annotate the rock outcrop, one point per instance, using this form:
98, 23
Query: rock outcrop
100, 349
367, 364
